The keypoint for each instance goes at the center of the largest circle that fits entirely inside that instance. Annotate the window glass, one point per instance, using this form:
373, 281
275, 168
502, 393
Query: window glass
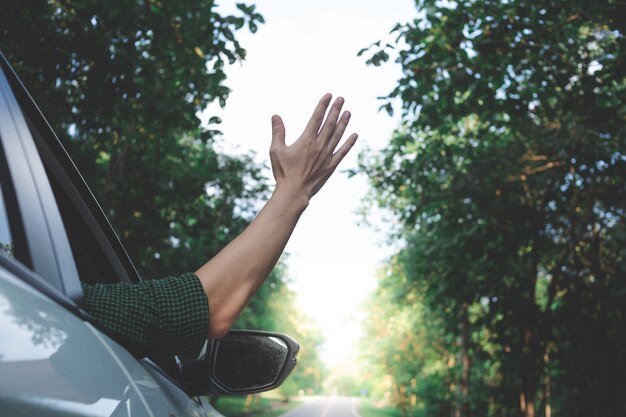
6, 239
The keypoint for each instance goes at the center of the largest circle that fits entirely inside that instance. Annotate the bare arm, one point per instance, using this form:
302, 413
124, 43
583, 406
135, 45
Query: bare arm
232, 277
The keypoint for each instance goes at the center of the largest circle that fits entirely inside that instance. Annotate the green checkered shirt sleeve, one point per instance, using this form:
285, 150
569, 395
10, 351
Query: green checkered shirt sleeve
162, 317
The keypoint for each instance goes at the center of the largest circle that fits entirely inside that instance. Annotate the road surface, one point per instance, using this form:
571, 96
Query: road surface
326, 407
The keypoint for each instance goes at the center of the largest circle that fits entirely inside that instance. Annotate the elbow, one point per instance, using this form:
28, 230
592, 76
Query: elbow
219, 328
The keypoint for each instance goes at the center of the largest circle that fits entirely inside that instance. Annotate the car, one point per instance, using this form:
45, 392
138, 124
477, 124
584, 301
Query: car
56, 360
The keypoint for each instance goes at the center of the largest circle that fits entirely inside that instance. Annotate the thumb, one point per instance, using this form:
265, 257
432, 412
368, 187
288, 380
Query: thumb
278, 131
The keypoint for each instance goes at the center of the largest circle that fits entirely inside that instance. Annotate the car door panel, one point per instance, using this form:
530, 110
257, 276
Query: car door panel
163, 397
51, 362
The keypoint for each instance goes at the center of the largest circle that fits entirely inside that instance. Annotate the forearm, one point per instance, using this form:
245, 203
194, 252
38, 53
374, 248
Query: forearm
232, 277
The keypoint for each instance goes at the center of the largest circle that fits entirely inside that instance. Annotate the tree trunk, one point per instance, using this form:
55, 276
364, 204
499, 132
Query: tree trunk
465, 360
546, 387
453, 409
531, 332
529, 386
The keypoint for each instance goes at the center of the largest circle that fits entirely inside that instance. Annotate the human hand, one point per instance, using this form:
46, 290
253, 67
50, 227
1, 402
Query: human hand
305, 166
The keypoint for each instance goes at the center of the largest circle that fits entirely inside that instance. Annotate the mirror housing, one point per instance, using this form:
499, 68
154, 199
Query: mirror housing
242, 362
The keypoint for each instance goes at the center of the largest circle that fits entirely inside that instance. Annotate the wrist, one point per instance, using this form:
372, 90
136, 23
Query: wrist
295, 197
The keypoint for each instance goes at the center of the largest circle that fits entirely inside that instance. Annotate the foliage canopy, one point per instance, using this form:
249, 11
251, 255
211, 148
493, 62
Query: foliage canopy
507, 176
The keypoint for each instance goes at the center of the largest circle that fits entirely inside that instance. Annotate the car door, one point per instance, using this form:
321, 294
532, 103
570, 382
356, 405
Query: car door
52, 363
55, 234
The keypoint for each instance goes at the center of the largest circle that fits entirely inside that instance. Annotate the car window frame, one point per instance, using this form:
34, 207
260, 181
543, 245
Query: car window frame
60, 165
47, 246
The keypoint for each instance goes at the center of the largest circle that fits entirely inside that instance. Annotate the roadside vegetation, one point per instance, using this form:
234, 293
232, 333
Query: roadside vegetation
506, 182
263, 405
367, 408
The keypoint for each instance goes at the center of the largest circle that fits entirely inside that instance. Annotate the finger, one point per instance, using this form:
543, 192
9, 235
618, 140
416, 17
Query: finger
326, 133
345, 148
278, 131
318, 116
339, 130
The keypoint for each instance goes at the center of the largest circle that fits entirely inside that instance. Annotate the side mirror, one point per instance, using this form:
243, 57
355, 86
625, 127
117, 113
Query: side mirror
242, 362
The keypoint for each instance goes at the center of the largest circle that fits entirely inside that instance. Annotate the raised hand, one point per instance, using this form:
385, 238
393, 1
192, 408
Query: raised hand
305, 166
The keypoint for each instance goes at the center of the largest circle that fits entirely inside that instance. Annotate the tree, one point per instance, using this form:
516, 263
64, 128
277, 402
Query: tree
507, 176
393, 346
121, 83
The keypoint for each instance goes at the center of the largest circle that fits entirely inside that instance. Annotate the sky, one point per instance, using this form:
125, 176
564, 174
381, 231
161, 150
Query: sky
304, 50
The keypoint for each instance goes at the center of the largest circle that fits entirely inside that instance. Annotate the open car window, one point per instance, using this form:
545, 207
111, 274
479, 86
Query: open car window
7, 240
47, 250
97, 252
6, 237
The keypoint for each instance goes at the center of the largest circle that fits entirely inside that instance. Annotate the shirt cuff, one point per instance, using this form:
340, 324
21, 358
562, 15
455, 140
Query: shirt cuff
183, 315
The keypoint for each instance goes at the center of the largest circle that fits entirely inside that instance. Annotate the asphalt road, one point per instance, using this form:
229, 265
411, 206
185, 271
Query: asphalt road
326, 407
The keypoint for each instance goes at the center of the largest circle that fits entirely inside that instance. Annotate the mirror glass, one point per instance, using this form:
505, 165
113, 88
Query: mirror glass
246, 361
